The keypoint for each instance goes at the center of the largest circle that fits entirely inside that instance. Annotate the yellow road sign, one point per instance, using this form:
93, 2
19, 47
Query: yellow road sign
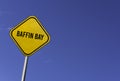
30, 35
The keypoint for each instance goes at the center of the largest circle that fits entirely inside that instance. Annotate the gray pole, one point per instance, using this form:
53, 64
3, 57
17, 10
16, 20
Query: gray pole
24, 68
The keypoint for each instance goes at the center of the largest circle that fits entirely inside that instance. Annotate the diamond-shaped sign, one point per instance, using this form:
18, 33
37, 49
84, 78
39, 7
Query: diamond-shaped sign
30, 35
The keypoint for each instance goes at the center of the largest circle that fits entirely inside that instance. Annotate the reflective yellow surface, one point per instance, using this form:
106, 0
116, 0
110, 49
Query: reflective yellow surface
30, 35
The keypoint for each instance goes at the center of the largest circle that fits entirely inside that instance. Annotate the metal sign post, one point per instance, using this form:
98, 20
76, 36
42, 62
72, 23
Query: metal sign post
29, 36
24, 68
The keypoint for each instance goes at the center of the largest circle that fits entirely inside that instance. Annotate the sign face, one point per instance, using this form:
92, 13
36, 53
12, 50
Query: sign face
29, 35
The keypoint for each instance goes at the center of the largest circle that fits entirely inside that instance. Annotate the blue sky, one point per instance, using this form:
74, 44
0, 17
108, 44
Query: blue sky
84, 46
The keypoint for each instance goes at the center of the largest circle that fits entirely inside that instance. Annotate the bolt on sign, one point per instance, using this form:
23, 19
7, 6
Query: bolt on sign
30, 35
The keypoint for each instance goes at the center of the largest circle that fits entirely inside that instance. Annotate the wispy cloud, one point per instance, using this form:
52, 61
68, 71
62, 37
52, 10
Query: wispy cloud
3, 28
2, 14
48, 61
5, 12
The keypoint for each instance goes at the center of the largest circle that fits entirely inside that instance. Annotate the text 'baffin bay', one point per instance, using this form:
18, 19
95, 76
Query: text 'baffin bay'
30, 35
